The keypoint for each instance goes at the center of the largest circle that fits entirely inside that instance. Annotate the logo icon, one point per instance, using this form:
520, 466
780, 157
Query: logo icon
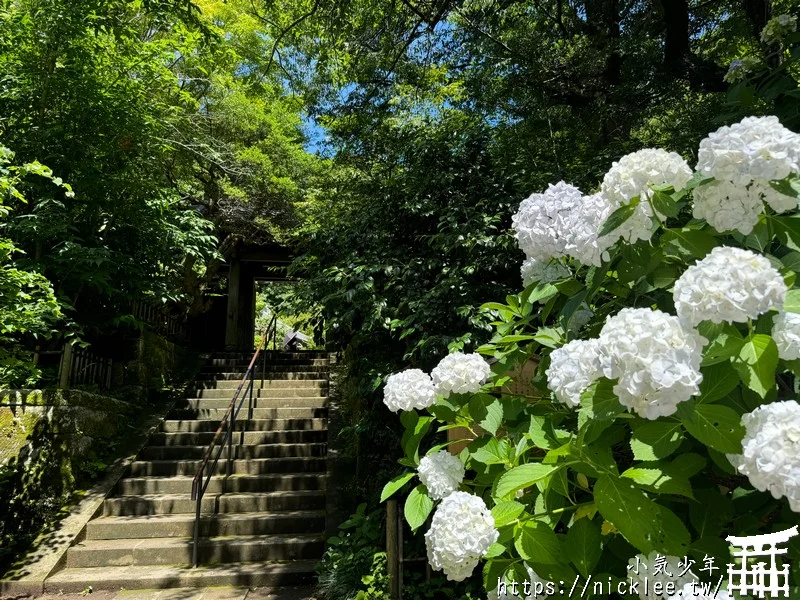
759, 578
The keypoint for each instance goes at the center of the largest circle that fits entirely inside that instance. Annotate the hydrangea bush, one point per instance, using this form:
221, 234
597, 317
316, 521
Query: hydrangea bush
662, 423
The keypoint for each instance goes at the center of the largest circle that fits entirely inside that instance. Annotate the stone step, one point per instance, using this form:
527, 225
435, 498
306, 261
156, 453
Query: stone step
133, 486
243, 363
293, 412
258, 402
205, 379
270, 369
182, 525
276, 450
193, 425
276, 393
203, 438
178, 551
271, 354
166, 504
156, 577
248, 466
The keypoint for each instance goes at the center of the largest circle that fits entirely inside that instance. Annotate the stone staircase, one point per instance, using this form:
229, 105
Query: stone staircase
261, 527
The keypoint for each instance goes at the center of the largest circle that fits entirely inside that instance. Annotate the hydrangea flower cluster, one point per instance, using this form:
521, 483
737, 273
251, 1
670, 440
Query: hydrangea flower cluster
409, 389
573, 368
743, 158
786, 333
730, 284
778, 28
562, 222
643, 568
462, 529
632, 176
460, 373
740, 68
655, 360
536, 583
441, 473
756, 148
771, 450
540, 271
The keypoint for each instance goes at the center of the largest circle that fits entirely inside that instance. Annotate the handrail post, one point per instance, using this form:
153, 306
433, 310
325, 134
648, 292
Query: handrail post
198, 493
230, 446
252, 385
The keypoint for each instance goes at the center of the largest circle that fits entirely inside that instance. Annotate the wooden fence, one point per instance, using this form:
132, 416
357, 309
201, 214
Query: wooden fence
160, 319
80, 366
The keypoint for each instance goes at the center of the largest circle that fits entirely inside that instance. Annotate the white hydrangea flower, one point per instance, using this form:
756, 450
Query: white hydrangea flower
462, 529
562, 222
409, 389
655, 568
655, 360
538, 588
573, 368
689, 592
541, 271
632, 176
777, 28
727, 206
786, 333
441, 473
730, 284
739, 69
771, 450
757, 148
460, 373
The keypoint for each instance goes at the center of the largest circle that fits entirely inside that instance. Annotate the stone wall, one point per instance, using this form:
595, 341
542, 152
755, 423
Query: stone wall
48, 440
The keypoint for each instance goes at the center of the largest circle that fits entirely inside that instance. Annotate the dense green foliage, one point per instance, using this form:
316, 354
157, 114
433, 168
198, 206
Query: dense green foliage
171, 141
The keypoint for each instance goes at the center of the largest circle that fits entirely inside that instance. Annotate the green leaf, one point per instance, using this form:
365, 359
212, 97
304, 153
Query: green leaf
688, 241
584, 545
418, 506
792, 303
645, 524
489, 450
718, 381
394, 485
415, 429
725, 342
487, 411
618, 217
599, 402
664, 204
656, 440
536, 543
505, 512
521, 477
787, 230
710, 513
717, 426
659, 478
756, 363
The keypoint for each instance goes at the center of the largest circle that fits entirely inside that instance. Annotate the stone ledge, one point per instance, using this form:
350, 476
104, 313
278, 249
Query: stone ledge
49, 550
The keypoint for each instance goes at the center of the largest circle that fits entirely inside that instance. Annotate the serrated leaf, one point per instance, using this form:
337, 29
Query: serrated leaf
505, 512
584, 545
656, 440
395, 484
756, 363
618, 217
717, 426
691, 242
418, 506
664, 204
489, 450
521, 477
718, 381
536, 543
710, 513
792, 303
645, 524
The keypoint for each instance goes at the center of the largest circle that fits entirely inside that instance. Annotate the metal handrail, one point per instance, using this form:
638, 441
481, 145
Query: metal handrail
225, 431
